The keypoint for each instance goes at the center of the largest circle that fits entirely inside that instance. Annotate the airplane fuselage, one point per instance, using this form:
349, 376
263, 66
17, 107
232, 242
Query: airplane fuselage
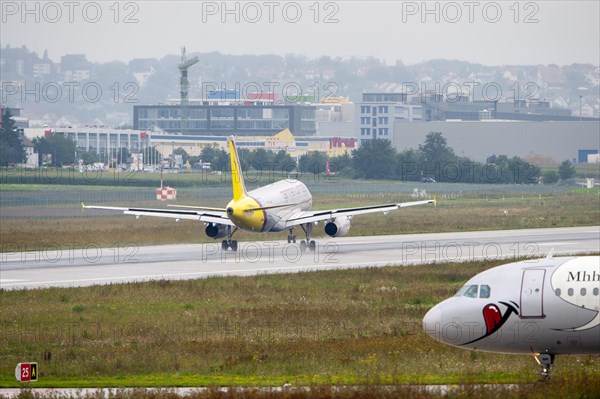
539, 306
284, 199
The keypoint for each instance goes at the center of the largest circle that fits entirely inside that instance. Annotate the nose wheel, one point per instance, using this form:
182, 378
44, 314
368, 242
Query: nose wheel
546, 361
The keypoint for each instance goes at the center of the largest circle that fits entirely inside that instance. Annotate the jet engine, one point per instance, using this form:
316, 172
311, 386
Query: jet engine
338, 227
215, 230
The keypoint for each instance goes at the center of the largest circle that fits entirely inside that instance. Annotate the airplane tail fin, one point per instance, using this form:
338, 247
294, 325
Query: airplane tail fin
237, 179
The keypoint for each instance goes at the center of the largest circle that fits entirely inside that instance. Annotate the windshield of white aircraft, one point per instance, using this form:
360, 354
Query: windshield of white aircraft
472, 291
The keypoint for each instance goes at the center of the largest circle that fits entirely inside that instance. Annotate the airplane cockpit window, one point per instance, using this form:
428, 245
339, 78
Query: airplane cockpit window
471, 292
484, 292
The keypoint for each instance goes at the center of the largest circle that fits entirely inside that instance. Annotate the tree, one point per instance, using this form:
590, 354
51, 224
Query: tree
8, 155
437, 155
522, 171
341, 164
408, 165
184, 155
550, 177
262, 159
510, 170
11, 145
245, 157
221, 161
496, 171
59, 147
312, 162
208, 154
566, 170
283, 162
375, 159
88, 157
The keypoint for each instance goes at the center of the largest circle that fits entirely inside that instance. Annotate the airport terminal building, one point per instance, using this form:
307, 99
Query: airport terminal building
227, 119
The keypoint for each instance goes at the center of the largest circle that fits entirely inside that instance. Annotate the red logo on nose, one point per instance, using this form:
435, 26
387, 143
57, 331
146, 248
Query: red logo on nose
492, 317
494, 320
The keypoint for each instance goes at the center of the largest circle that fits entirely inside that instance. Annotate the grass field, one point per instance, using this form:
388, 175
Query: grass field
359, 326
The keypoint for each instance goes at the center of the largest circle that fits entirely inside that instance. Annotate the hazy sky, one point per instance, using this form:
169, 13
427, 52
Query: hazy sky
487, 32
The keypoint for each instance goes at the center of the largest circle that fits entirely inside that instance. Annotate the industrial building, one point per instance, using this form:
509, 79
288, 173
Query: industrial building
554, 141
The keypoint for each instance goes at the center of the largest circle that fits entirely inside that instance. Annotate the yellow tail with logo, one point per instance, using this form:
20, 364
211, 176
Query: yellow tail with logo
237, 179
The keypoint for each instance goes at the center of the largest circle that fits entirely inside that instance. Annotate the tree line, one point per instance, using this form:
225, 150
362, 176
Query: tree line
434, 160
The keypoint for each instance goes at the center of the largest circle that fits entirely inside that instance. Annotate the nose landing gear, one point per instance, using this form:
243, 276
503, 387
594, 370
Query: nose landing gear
546, 361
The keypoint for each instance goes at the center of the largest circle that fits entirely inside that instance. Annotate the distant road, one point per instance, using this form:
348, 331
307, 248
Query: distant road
93, 265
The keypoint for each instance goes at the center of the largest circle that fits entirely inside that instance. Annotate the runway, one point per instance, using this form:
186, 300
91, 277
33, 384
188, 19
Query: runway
70, 267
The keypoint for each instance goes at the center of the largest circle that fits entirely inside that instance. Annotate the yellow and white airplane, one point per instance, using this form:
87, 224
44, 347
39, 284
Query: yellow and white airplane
279, 206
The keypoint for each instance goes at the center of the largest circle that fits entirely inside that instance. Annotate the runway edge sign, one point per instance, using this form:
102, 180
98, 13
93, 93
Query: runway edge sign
26, 372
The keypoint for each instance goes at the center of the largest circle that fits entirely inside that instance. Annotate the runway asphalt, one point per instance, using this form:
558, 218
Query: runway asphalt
69, 267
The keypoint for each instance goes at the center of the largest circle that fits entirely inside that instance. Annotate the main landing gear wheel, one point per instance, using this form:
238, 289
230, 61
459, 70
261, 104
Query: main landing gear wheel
229, 243
311, 245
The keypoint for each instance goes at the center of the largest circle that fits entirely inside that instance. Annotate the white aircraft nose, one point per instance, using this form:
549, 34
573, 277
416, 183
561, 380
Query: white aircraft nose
432, 322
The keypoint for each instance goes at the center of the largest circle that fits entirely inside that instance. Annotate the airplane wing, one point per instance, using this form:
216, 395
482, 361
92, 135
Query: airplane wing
315, 216
211, 215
